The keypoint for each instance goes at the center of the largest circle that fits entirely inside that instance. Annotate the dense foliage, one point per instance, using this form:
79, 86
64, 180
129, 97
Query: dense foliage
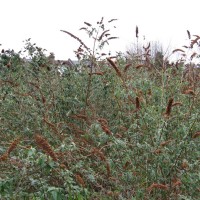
126, 131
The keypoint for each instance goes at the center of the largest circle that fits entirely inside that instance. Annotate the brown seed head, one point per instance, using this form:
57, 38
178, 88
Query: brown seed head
197, 134
45, 146
136, 31
157, 186
139, 66
13, 145
162, 144
80, 180
106, 130
108, 169
4, 157
177, 104
127, 66
169, 107
189, 91
189, 36
115, 67
137, 103
178, 50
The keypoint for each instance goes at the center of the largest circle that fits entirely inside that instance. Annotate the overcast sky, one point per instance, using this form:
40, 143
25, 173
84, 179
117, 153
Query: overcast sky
41, 20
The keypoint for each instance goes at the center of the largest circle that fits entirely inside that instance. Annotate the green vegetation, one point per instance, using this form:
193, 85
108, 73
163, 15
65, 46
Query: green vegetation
124, 129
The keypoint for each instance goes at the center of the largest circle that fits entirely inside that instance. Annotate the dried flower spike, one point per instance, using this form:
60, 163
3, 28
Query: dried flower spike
13, 145
189, 36
137, 103
45, 146
4, 157
157, 186
189, 91
80, 180
115, 67
127, 67
197, 134
136, 31
169, 107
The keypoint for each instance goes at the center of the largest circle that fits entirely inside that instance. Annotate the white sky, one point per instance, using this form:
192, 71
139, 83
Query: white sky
41, 20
